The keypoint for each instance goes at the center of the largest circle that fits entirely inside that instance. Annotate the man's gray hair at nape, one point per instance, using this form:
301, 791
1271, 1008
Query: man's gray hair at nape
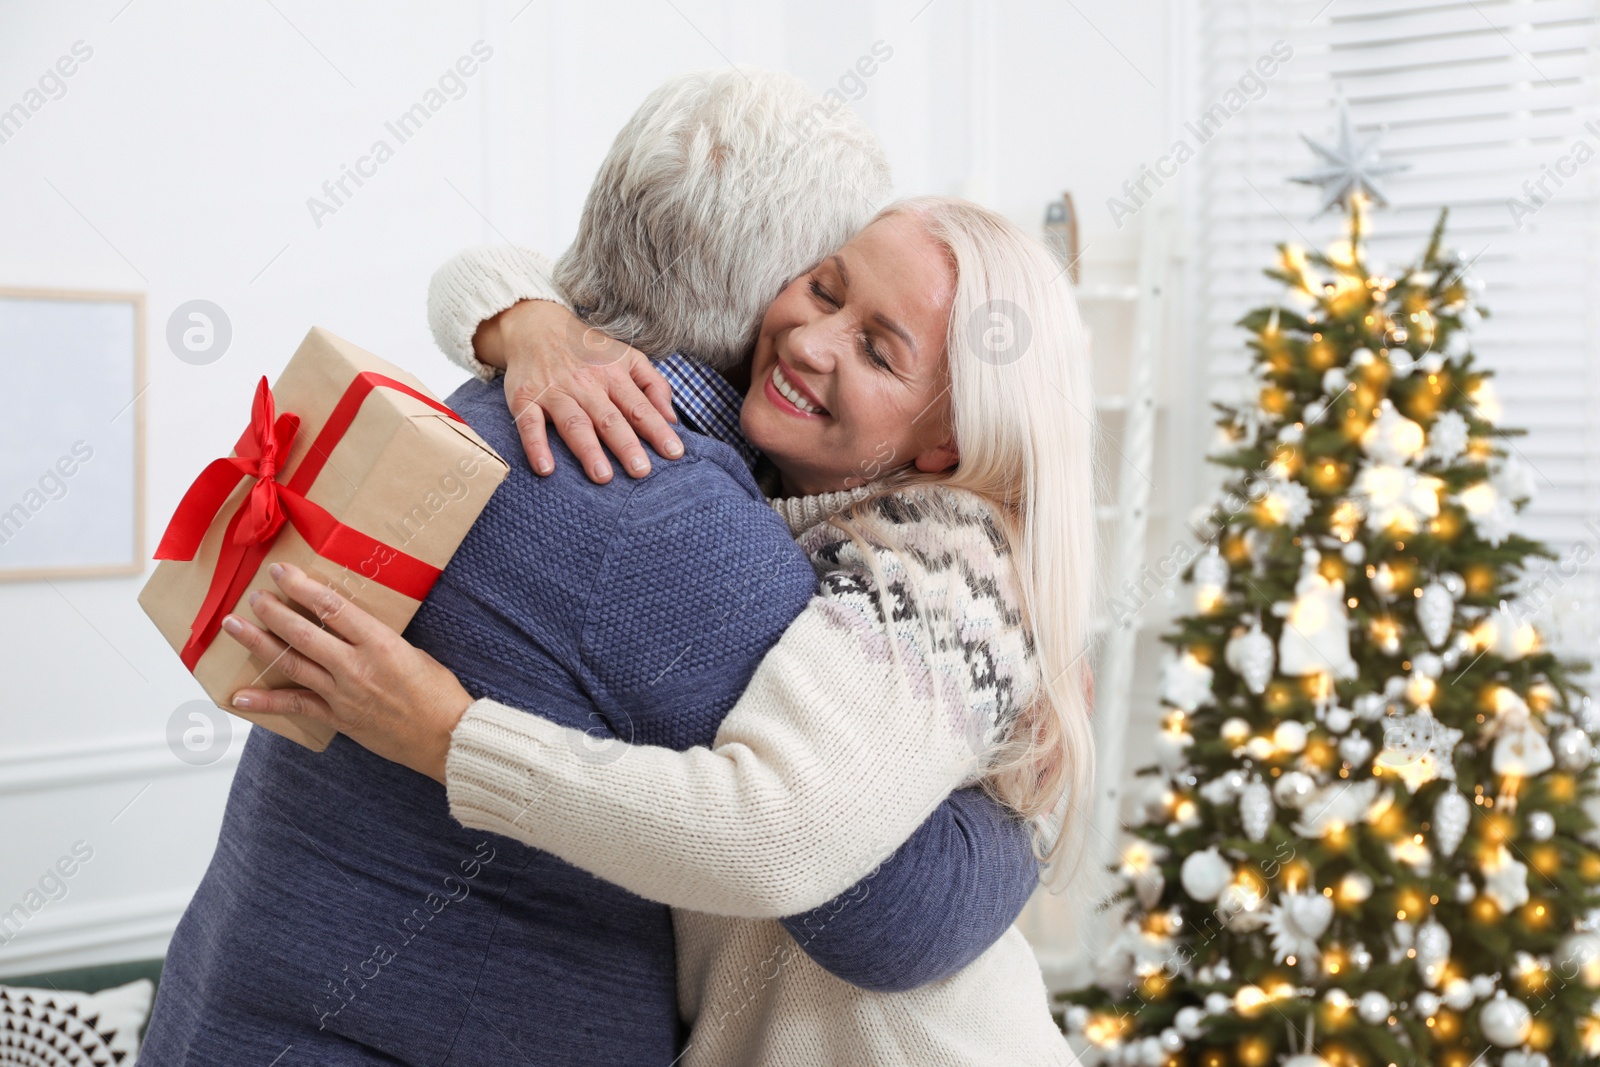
723, 187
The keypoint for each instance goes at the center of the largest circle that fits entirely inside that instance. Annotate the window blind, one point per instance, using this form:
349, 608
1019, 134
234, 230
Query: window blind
1488, 103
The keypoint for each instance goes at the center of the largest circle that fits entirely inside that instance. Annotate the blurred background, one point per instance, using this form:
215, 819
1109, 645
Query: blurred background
185, 157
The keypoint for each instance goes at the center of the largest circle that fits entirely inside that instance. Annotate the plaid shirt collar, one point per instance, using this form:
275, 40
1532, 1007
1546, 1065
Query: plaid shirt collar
706, 403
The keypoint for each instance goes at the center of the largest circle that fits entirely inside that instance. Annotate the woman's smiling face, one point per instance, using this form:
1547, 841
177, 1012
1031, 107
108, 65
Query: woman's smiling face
848, 381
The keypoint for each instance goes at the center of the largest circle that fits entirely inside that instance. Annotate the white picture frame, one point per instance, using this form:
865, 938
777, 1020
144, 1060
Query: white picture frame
72, 382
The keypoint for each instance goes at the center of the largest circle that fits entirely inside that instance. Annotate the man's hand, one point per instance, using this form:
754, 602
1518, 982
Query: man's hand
591, 386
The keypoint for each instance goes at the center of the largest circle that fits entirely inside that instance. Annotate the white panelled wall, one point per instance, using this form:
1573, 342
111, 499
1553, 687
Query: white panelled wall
179, 164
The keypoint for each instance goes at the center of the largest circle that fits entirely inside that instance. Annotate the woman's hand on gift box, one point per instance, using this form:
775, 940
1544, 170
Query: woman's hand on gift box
590, 386
360, 676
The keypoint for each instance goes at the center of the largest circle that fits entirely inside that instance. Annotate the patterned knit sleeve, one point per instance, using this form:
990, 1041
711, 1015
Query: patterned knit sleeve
926, 580
879, 700
478, 284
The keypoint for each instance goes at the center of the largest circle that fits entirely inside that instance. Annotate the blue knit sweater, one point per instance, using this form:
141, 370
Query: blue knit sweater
347, 919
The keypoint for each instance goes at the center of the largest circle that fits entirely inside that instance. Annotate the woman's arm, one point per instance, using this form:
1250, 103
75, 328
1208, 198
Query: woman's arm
496, 309
827, 763
473, 288
833, 756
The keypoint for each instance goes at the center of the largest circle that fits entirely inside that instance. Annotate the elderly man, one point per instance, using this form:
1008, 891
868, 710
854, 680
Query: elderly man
346, 918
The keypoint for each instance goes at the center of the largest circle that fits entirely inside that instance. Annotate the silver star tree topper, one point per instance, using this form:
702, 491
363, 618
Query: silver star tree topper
1349, 168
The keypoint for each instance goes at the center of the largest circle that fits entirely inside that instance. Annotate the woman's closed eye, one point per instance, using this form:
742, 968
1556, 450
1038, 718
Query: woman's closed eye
874, 356
869, 347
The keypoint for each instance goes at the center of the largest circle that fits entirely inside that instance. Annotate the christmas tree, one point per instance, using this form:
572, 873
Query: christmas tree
1365, 841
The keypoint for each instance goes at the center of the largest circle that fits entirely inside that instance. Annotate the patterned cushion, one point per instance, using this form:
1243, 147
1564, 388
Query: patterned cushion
51, 1028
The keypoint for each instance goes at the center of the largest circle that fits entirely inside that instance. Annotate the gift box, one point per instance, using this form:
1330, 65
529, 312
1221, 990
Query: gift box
351, 470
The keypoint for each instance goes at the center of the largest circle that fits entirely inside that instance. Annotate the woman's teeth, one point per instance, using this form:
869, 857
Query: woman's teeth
793, 395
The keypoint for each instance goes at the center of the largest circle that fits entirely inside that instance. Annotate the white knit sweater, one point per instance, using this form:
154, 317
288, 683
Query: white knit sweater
478, 284
879, 700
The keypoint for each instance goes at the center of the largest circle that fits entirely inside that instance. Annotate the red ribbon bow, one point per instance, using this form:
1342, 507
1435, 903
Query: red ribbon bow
261, 454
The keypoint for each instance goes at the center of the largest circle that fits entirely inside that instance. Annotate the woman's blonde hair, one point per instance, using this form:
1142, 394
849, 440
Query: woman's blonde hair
1022, 414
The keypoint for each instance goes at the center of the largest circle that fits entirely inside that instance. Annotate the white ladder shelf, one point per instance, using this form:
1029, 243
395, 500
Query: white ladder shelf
1052, 923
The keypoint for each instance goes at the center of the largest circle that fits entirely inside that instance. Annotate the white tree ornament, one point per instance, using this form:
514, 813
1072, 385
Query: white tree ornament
1172, 748
1355, 750
1256, 810
1506, 635
1211, 569
1141, 865
1436, 610
1447, 437
1524, 1058
1451, 815
1519, 747
1316, 632
1392, 438
1292, 790
1419, 748
1397, 496
1205, 874
1491, 513
1252, 656
1297, 923
1512, 479
1573, 749
1186, 682
1287, 503
1334, 806
1433, 952
1210, 581
1505, 880
1373, 1007
1241, 908
1504, 1021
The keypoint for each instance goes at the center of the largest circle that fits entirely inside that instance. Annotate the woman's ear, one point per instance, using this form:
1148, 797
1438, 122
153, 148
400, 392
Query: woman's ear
938, 459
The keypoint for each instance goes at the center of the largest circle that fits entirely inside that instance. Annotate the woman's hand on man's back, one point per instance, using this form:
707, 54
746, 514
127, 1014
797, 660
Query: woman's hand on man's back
590, 386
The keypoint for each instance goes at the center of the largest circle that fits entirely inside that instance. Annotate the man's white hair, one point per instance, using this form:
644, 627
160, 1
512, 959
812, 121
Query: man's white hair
721, 188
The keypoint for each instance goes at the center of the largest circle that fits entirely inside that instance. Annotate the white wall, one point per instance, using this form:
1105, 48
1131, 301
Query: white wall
179, 163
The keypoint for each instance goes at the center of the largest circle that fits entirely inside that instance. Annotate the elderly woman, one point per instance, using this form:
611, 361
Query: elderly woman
935, 469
